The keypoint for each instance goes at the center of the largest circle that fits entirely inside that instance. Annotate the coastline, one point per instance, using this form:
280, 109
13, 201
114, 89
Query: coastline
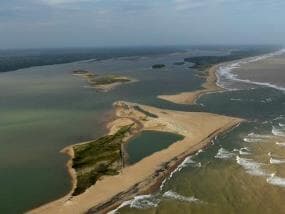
146, 175
209, 86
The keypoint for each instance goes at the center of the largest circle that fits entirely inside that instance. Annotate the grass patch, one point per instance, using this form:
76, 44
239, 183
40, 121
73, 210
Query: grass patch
98, 158
105, 80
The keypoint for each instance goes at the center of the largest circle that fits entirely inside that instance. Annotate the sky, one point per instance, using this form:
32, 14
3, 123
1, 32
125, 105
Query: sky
100, 23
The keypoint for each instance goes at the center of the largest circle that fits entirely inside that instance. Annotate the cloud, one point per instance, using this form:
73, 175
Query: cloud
193, 4
60, 2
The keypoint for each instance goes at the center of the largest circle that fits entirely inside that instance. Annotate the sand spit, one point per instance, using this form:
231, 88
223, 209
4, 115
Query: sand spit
147, 174
191, 97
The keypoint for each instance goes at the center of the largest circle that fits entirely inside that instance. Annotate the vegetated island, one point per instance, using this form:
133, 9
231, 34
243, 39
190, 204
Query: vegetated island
102, 83
207, 66
101, 162
157, 66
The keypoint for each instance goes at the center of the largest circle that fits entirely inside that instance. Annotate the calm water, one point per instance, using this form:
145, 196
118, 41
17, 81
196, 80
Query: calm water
149, 142
43, 109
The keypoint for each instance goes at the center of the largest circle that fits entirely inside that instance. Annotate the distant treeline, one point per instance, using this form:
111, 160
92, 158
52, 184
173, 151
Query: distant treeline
204, 62
16, 59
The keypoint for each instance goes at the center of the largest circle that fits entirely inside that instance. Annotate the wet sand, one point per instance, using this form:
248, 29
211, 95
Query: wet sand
191, 97
146, 175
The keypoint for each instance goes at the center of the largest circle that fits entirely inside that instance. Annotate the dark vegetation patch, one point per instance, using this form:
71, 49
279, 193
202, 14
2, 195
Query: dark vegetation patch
105, 80
95, 80
205, 62
147, 113
98, 158
16, 59
157, 66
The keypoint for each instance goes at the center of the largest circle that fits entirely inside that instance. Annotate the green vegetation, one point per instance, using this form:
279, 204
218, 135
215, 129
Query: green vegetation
145, 112
95, 80
156, 66
98, 158
205, 62
105, 80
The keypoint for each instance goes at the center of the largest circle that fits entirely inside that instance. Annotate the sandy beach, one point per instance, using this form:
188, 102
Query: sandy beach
146, 175
190, 97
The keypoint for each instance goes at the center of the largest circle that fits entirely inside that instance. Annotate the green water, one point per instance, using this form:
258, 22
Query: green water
149, 142
43, 109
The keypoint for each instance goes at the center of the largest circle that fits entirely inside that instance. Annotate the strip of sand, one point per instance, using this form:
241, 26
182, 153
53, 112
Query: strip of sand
146, 175
191, 97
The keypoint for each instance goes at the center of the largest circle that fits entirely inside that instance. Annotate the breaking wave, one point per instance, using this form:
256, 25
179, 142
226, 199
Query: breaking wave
244, 151
174, 195
225, 71
276, 161
275, 180
224, 154
251, 167
188, 161
280, 144
280, 132
139, 202
256, 138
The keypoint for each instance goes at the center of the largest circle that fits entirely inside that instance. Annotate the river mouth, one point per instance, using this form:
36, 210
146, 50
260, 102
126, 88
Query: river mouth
43, 109
147, 143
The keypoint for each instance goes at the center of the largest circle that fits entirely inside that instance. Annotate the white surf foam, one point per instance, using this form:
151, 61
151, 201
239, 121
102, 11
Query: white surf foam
139, 202
224, 154
254, 135
244, 151
144, 202
174, 195
276, 161
186, 162
280, 132
225, 71
281, 124
251, 167
256, 138
275, 180
280, 144
252, 140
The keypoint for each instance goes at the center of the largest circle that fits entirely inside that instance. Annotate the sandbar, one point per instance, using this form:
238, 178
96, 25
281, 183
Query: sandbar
209, 86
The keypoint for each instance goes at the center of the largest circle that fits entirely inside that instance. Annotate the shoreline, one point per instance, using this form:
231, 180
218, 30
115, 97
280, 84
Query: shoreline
209, 86
146, 175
